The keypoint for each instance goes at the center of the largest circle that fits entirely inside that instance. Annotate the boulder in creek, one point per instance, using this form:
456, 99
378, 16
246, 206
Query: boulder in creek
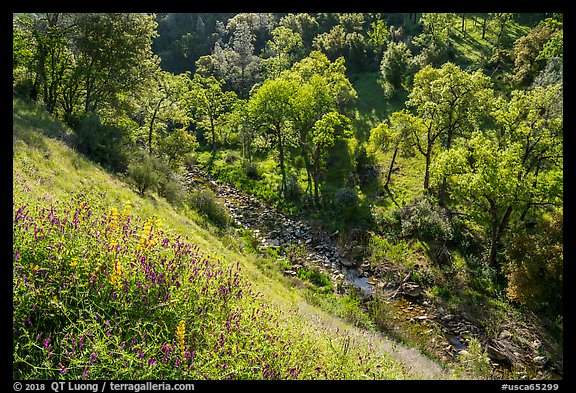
411, 289
346, 262
500, 351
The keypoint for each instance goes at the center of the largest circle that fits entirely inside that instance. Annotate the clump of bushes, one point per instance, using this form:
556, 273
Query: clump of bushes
205, 202
293, 191
349, 210
143, 174
534, 266
104, 143
424, 220
345, 203
148, 172
475, 360
381, 249
252, 171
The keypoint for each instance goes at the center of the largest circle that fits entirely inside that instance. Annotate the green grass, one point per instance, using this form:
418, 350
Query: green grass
372, 107
471, 49
110, 285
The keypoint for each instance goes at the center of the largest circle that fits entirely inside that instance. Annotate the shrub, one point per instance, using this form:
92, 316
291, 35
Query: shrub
293, 190
425, 221
205, 202
231, 156
364, 166
249, 240
296, 253
381, 249
475, 360
383, 314
172, 188
105, 144
252, 171
345, 202
389, 221
151, 173
143, 174
535, 266
315, 277
176, 146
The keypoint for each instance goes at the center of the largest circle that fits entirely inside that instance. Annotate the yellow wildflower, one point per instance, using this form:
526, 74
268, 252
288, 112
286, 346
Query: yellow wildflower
126, 210
113, 219
145, 240
116, 276
180, 331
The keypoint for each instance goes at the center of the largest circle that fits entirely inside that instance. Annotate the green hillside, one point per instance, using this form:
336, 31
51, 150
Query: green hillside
111, 285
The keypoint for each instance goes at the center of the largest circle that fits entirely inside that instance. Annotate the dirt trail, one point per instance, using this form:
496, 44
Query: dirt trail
418, 366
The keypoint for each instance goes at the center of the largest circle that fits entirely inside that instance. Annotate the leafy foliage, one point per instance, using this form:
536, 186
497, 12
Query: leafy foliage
395, 64
176, 146
206, 203
423, 219
535, 266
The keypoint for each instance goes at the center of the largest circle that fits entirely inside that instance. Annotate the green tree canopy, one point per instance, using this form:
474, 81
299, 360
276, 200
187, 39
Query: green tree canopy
271, 108
209, 101
452, 102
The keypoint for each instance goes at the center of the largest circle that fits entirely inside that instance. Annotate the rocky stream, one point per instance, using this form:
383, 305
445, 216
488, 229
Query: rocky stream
447, 334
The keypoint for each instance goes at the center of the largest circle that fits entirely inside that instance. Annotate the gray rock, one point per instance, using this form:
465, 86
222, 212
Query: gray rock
540, 360
411, 289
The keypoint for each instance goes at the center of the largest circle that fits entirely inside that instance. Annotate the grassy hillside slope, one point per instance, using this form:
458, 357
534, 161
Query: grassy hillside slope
108, 284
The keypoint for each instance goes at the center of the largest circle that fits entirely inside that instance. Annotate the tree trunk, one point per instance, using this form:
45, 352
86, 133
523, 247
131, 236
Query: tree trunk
151, 128
484, 27
281, 158
308, 174
497, 230
444, 186
389, 175
531, 195
305, 149
213, 128
316, 177
442, 195
427, 170
463, 22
